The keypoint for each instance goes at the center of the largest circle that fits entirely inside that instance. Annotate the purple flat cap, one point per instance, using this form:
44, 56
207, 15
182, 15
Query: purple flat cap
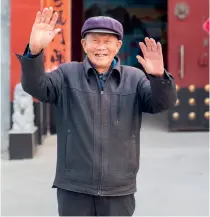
104, 25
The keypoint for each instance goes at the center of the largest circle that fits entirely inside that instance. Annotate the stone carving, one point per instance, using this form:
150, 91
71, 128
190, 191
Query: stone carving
23, 116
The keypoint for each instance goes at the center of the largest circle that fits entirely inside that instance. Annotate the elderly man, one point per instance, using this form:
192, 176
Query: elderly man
99, 105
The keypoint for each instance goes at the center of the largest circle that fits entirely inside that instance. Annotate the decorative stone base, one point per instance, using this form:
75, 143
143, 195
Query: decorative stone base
41, 116
22, 145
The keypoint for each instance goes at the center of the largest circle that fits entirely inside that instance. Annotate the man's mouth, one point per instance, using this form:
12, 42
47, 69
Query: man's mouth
101, 55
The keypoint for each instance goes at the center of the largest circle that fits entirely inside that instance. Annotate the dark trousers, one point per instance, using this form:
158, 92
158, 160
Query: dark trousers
78, 204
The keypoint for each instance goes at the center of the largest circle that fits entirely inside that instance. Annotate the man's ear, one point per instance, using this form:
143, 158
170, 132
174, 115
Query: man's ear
119, 45
83, 42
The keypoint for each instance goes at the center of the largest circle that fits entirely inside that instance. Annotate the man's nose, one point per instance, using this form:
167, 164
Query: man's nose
101, 46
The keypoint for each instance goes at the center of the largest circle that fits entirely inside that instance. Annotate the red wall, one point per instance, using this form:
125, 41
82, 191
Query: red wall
23, 13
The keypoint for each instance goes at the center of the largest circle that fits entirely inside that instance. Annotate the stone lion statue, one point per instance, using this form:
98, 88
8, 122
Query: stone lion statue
23, 116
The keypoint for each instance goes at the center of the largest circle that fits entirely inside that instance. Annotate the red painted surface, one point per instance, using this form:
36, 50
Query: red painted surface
190, 33
22, 17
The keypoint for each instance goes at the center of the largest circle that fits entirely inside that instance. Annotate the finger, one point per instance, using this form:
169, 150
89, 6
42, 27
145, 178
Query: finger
140, 60
38, 18
49, 15
44, 15
54, 20
153, 45
56, 31
149, 47
159, 48
143, 48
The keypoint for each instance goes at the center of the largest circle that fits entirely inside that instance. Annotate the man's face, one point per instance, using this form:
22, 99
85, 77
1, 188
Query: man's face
101, 49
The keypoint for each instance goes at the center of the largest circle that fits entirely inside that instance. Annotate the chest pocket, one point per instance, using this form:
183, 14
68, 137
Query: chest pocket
80, 106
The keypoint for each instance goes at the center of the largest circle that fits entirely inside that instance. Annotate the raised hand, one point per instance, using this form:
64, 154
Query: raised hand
43, 30
153, 57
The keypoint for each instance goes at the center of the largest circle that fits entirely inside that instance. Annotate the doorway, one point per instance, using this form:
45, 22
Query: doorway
140, 19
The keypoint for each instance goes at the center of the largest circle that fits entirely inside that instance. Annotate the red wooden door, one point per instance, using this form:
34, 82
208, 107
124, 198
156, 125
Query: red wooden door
188, 58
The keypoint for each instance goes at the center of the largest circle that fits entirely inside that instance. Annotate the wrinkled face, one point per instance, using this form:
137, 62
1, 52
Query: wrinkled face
101, 49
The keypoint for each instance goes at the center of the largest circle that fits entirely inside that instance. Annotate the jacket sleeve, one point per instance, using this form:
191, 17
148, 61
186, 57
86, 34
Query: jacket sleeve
46, 87
157, 94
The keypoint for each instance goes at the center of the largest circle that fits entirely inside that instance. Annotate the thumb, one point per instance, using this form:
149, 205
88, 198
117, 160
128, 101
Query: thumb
56, 31
140, 60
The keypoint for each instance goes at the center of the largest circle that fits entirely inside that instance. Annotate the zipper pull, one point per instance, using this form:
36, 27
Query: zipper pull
102, 92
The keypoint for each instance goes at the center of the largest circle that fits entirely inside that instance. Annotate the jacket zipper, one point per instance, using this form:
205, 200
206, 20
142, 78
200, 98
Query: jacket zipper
101, 155
101, 151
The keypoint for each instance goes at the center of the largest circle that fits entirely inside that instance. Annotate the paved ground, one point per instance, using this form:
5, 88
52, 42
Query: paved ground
173, 178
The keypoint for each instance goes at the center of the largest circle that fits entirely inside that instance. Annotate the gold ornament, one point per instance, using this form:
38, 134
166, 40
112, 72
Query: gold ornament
206, 115
191, 88
206, 88
175, 115
177, 102
206, 101
177, 87
192, 115
191, 101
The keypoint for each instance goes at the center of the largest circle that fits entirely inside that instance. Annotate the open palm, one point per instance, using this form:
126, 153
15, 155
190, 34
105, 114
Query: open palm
43, 30
153, 58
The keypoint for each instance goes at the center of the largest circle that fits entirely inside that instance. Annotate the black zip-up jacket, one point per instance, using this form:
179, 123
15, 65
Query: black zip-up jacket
97, 131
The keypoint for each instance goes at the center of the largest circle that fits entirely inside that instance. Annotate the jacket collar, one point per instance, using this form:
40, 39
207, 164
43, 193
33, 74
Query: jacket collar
89, 68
